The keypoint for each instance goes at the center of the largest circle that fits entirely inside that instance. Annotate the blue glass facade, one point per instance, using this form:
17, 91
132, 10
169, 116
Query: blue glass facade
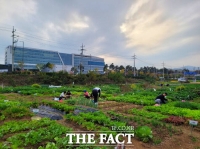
96, 63
66, 58
89, 63
62, 61
31, 57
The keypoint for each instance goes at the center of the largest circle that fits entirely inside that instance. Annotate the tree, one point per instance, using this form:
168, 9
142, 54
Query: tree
129, 68
40, 66
74, 70
117, 68
112, 66
96, 70
92, 76
50, 65
81, 68
21, 65
116, 77
121, 67
105, 68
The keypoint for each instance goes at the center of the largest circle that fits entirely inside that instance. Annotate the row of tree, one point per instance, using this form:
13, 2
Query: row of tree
144, 70
128, 71
112, 74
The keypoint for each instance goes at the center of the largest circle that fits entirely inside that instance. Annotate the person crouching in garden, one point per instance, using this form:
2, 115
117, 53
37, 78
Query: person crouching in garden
161, 99
86, 94
68, 94
62, 95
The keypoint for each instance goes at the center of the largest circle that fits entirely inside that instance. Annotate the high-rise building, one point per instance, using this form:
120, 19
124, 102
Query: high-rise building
31, 58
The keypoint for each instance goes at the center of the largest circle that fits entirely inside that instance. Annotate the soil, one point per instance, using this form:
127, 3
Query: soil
182, 138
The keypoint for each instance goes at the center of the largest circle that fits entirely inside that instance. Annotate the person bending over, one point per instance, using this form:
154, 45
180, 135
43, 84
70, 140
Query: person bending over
96, 93
161, 99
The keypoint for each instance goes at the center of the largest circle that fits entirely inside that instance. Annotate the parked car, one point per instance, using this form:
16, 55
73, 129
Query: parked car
185, 80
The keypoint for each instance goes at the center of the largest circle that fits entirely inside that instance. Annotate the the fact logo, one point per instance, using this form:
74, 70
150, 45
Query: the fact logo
103, 138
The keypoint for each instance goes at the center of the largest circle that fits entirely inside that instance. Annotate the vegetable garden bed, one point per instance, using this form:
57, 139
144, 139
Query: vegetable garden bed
133, 108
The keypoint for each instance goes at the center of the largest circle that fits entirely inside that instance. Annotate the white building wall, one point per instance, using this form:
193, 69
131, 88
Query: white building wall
62, 68
8, 55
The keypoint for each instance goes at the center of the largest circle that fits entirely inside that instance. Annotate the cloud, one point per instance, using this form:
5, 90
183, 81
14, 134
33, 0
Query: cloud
152, 27
71, 24
95, 47
145, 28
74, 23
13, 9
154, 30
186, 41
183, 61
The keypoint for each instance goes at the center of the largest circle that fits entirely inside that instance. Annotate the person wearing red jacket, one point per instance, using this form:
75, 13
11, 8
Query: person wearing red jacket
86, 94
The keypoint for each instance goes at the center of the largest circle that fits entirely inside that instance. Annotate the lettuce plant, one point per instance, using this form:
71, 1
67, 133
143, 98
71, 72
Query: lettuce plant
144, 133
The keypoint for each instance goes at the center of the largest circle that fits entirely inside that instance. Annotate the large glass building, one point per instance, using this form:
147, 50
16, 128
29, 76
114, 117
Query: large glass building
31, 58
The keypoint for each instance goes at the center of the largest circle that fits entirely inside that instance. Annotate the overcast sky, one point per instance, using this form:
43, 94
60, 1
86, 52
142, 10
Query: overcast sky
156, 31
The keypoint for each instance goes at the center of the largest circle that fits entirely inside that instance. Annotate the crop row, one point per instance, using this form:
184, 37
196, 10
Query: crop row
34, 137
17, 126
147, 114
168, 110
136, 99
96, 121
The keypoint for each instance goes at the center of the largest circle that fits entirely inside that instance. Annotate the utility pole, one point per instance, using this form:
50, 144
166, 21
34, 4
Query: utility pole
163, 69
134, 57
13, 42
81, 65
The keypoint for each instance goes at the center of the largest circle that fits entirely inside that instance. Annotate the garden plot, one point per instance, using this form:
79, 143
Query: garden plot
128, 110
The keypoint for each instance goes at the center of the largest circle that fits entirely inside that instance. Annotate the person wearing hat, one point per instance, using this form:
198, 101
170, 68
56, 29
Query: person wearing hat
161, 99
86, 94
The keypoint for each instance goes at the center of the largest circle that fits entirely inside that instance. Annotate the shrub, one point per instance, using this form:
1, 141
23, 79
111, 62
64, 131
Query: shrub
36, 85
12, 82
179, 88
133, 86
